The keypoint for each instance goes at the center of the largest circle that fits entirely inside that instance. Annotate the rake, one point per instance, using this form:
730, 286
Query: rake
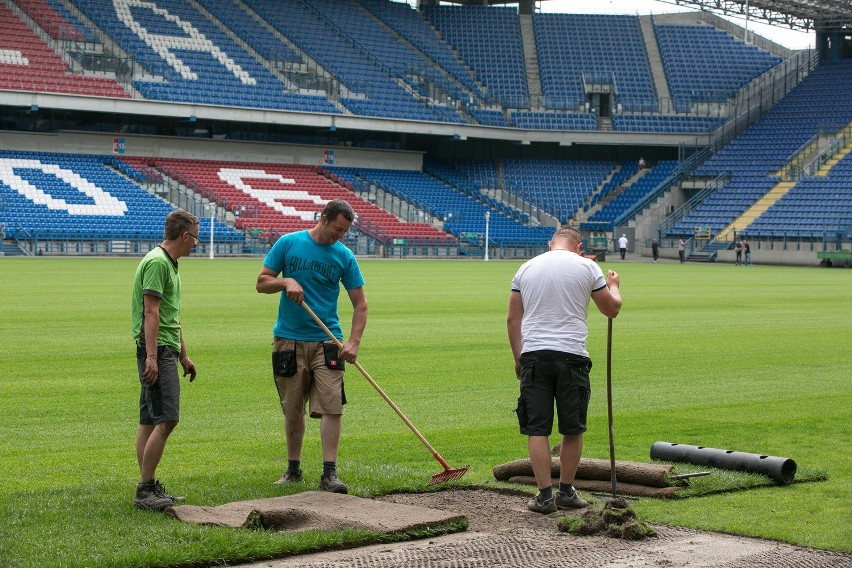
449, 473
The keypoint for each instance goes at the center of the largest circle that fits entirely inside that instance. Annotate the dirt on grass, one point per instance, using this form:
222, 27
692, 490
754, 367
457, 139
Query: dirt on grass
503, 534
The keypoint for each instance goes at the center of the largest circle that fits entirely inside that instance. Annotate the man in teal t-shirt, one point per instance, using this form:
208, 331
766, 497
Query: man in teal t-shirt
155, 323
307, 366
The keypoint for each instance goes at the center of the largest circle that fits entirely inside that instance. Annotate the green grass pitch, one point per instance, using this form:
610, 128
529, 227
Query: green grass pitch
752, 359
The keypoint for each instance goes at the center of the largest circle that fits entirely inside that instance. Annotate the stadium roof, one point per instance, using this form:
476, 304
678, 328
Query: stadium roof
821, 15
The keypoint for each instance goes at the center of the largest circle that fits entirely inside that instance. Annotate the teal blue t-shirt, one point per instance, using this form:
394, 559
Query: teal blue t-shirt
319, 269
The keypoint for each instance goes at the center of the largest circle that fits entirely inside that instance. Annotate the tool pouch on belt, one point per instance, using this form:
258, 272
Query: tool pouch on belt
284, 363
332, 357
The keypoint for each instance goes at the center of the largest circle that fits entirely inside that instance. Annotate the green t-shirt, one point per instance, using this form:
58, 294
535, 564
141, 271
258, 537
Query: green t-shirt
157, 275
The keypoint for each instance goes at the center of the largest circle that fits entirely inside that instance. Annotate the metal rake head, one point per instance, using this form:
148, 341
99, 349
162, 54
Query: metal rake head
449, 475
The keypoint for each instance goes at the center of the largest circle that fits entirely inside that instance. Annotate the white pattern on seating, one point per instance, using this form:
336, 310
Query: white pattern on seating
104, 203
269, 197
164, 44
13, 57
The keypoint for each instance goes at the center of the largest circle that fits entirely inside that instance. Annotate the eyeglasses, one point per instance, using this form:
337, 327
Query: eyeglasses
193, 236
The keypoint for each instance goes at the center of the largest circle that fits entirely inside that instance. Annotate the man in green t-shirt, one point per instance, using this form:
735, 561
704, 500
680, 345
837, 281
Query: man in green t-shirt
155, 317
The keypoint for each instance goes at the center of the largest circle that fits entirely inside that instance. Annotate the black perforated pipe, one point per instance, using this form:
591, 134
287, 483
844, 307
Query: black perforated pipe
781, 470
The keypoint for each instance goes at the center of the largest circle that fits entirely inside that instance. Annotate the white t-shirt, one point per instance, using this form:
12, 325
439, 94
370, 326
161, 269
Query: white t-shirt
555, 290
622, 242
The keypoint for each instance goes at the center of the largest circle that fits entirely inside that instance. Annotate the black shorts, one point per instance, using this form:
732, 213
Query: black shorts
548, 377
159, 402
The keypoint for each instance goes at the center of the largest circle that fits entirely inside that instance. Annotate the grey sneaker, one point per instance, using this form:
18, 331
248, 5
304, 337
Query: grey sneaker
544, 508
162, 491
331, 483
289, 477
148, 497
573, 501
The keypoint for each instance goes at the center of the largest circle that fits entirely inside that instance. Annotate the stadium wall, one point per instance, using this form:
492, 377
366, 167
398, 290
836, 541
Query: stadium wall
211, 149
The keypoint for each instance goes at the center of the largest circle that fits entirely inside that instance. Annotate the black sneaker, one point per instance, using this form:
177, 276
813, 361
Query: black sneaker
573, 501
544, 508
289, 477
331, 483
162, 491
148, 497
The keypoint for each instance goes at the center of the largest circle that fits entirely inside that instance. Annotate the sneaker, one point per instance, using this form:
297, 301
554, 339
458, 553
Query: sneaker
331, 483
162, 491
544, 508
573, 501
289, 477
148, 497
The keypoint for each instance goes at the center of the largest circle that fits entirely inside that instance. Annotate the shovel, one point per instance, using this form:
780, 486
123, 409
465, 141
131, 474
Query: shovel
449, 473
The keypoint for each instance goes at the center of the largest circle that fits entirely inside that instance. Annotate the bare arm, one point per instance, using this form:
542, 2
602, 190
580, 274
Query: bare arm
513, 323
269, 283
359, 322
151, 319
608, 300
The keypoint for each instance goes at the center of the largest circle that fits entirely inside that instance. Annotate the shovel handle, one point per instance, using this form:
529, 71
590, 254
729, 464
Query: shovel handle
378, 388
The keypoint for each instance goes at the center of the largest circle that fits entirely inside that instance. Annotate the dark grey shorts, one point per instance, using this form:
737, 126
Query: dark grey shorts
160, 402
549, 377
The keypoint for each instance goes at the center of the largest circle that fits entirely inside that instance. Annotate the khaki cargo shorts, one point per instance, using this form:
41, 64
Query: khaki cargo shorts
308, 372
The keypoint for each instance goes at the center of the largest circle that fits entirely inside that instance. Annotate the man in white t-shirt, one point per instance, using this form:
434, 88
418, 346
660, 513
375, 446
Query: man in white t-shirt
547, 332
622, 246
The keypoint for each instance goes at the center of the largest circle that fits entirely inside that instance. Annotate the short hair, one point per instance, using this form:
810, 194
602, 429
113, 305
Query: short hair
177, 222
337, 207
568, 233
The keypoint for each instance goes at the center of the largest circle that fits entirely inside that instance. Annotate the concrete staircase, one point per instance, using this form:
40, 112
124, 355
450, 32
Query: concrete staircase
654, 59
756, 210
9, 248
826, 167
531, 59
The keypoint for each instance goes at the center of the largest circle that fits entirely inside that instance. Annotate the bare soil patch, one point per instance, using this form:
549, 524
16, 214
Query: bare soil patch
504, 534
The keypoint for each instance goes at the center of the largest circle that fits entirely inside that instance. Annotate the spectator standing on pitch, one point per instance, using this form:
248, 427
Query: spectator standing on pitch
655, 249
747, 250
622, 246
307, 367
738, 248
547, 332
681, 251
156, 327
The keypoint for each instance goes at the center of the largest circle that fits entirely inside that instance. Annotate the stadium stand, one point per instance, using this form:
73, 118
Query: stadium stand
666, 123
82, 29
457, 65
403, 63
554, 120
573, 48
463, 216
68, 196
27, 63
715, 72
602, 220
489, 40
369, 87
816, 207
56, 25
250, 30
408, 23
278, 199
558, 187
821, 103
191, 59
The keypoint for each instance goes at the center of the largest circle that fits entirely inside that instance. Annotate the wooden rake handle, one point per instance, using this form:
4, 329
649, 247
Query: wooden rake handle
375, 385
